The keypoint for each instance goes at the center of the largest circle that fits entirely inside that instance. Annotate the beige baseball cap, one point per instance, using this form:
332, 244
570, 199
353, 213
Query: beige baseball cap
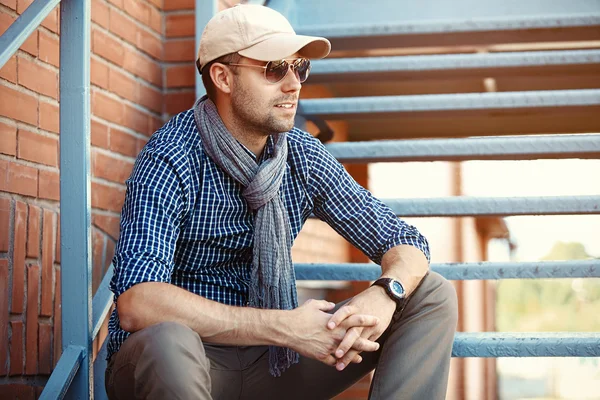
256, 32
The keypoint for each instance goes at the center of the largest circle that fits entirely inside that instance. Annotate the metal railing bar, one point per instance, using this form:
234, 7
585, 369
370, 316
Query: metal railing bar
101, 303
75, 204
344, 107
484, 148
63, 374
530, 344
458, 271
494, 206
19, 31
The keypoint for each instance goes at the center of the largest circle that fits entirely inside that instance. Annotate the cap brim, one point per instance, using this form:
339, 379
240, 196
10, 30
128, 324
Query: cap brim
285, 45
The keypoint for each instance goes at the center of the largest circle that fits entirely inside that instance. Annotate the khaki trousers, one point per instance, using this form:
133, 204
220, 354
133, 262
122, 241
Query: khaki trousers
170, 361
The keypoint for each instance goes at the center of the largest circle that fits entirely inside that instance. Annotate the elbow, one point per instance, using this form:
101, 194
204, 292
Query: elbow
128, 310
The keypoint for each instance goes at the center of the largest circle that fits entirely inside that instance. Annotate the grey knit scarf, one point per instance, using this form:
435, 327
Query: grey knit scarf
273, 283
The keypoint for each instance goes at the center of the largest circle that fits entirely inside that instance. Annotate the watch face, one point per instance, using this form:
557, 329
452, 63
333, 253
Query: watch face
397, 288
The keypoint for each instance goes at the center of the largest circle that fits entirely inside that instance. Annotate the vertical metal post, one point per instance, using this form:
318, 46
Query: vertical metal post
75, 196
205, 9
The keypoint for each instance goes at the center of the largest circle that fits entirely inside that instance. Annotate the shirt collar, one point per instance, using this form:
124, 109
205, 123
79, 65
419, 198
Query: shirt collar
266, 153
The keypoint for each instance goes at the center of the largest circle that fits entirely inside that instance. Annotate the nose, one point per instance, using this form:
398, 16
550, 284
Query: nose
291, 82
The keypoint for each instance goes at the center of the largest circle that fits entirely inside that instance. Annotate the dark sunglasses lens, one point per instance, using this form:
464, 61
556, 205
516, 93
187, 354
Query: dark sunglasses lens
276, 70
302, 67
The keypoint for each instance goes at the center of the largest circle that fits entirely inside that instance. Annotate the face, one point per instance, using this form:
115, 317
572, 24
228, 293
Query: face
263, 106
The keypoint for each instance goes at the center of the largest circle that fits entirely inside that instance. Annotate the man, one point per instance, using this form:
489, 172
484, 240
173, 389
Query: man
205, 292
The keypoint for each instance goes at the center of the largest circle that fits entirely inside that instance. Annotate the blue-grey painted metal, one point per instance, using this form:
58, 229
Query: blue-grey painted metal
455, 65
99, 369
495, 206
374, 106
19, 31
536, 344
396, 25
482, 148
64, 372
101, 303
205, 9
458, 271
76, 261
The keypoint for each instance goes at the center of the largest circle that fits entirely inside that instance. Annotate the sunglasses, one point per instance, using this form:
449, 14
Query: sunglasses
275, 71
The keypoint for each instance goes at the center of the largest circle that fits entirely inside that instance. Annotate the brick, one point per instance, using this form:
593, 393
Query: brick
12, 4
99, 134
122, 85
180, 25
50, 22
18, 178
22, 106
37, 148
139, 10
8, 139
107, 108
107, 47
136, 120
47, 263
49, 185
150, 98
123, 143
156, 20
33, 231
108, 254
57, 251
31, 320
179, 101
155, 123
37, 78
142, 67
57, 319
180, 50
157, 3
49, 117
5, 208
49, 49
17, 391
45, 348
181, 76
108, 224
172, 5
3, 317
150, 44
9, 70
107, 197
118, 3
98, 240
110, 168
99, 73
140, 144
16, 348
31, 43
100, 13
18, 278
123, 27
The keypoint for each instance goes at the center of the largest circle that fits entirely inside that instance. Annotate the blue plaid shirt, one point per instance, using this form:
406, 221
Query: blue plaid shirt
185, 222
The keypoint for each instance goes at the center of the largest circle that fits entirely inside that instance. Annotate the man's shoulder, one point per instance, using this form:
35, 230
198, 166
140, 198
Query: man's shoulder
179, 134
300, 140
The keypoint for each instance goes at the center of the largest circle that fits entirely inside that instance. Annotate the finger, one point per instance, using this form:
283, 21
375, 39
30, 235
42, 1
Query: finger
340, 315
322, 305
363, 320
329, 360
362, 344
347, 343
351, 357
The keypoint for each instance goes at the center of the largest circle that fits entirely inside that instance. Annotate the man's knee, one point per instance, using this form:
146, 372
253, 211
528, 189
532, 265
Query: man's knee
438, 295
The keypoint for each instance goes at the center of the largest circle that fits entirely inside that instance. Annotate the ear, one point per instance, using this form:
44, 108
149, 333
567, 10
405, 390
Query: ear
221, 77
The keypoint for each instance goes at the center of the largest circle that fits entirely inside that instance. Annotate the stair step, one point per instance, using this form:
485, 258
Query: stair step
451, 66
534, 344
492, 148
458, 271
482, 31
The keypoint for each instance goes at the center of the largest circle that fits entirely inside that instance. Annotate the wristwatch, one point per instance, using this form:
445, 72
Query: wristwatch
393, 288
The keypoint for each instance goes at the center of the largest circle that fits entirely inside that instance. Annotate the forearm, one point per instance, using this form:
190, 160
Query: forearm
149, 303
405, 263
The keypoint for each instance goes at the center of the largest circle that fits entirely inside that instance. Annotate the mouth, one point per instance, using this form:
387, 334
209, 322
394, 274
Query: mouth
286, 106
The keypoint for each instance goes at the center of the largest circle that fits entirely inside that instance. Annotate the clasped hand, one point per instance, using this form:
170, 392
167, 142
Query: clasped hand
338, 339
